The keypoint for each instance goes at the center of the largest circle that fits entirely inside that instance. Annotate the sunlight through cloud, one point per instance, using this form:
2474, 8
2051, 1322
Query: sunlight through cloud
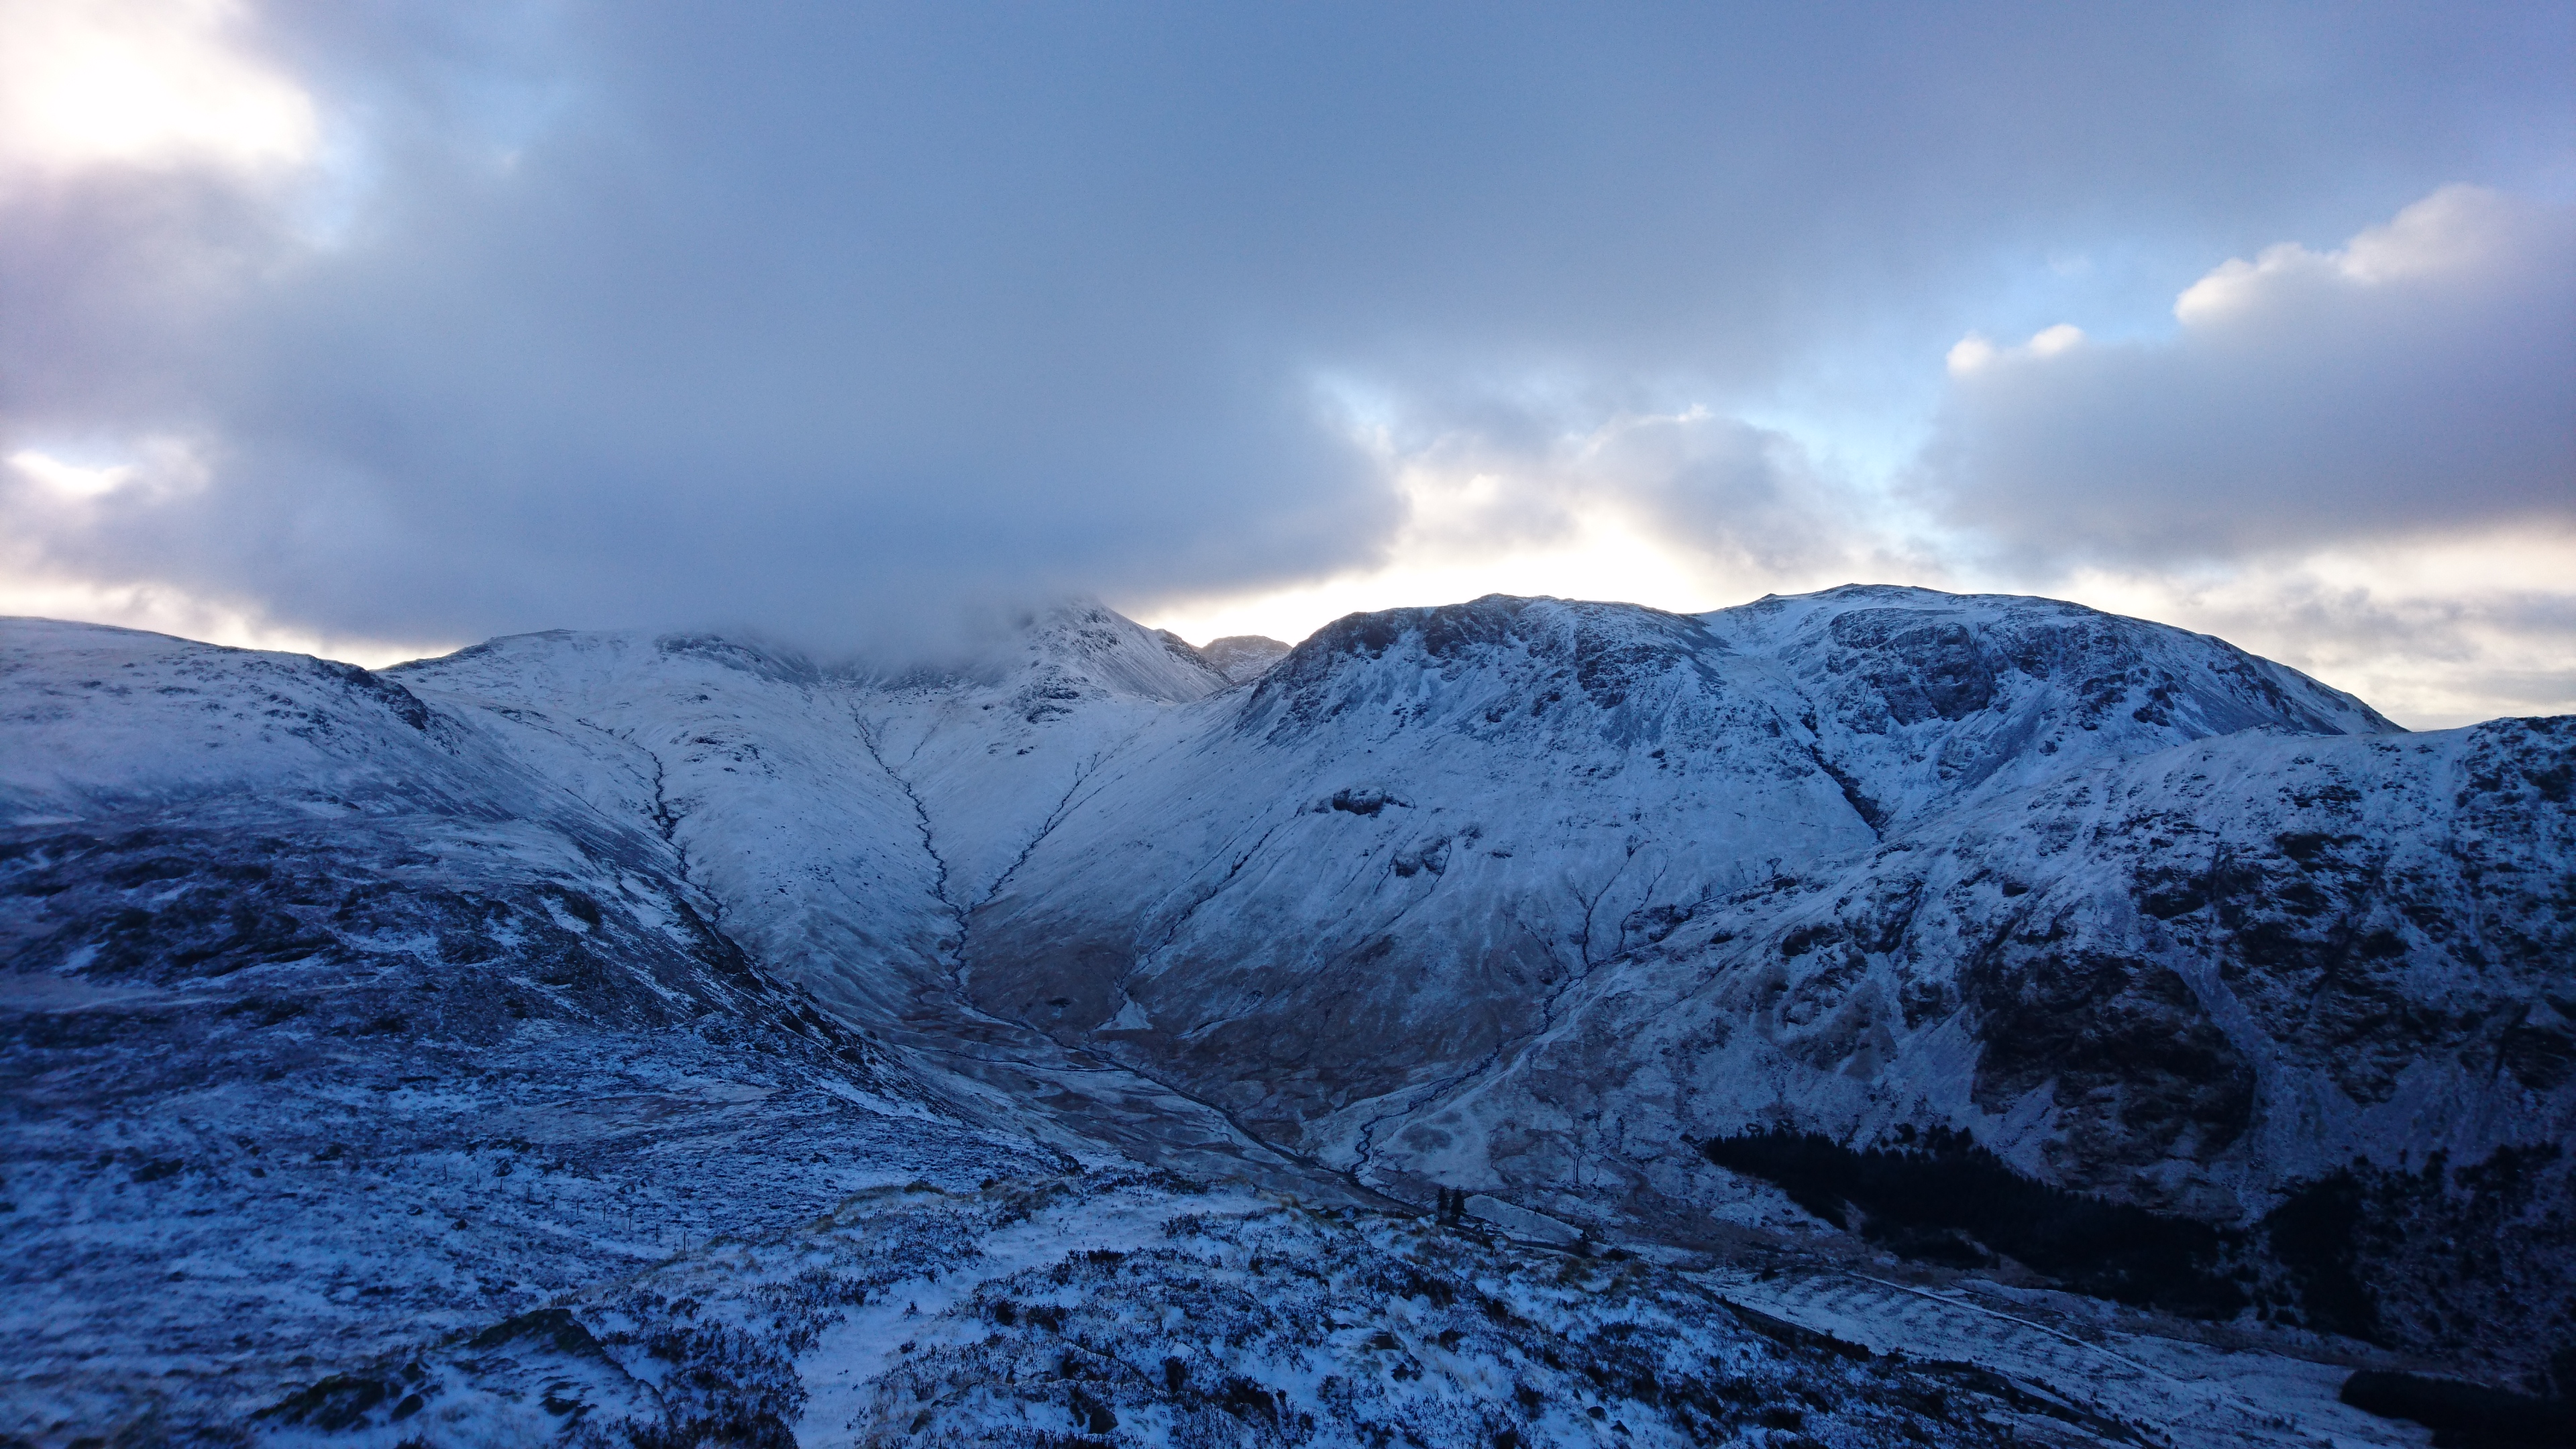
143, 83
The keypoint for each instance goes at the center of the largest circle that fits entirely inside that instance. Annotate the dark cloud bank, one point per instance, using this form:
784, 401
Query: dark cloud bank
811, 320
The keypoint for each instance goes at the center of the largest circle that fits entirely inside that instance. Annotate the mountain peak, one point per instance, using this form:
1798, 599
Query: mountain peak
1086, 643
1241, 657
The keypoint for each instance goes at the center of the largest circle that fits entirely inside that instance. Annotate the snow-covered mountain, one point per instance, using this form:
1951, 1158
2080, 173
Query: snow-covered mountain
356, 1018
1243, 657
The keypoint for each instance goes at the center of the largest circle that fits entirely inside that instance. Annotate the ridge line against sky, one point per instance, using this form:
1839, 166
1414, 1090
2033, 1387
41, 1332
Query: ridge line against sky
374, 331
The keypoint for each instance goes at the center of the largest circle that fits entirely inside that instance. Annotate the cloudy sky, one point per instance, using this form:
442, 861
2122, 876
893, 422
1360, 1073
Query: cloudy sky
375, 328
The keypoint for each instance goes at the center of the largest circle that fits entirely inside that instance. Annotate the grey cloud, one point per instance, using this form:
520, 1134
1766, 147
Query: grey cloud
1510, 466
803, 320
1746, 494
2420, 379
2430, 661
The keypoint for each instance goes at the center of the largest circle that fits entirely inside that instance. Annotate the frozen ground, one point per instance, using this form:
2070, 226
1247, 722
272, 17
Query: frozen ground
1113, 1307
650, 1040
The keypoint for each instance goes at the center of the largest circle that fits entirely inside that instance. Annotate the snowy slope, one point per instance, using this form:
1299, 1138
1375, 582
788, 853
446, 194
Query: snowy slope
474, 985
1535, 895
845, 820
1390, 859
2203, 980
1379, 864
333, 1024
1923, 700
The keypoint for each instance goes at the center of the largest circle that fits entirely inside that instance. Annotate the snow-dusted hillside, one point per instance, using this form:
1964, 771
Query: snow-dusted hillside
1538, 895
335, 1025
1243, 657
348, 1011
1397, 856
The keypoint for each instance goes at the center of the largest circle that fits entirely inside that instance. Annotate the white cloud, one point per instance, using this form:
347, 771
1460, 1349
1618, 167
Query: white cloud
2458, 231
157, 468
54, 508
1976, 352
148, 83
670, 320
2420, 378
1683, 509
62, 511
2360, 460
2434, 633
70, 480
164, 608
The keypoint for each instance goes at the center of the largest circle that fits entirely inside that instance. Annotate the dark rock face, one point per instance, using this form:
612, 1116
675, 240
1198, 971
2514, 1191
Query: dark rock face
2470, 1256
1940, 1197
2121, 1046
1918, 671
1604, 652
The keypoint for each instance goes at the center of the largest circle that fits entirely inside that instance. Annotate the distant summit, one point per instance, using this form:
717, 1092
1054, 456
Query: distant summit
1243, 656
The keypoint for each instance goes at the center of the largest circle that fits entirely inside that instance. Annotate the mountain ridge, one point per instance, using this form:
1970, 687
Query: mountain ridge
1525, 897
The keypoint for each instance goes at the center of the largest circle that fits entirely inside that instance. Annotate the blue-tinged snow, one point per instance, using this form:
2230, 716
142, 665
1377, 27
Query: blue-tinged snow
766, 1016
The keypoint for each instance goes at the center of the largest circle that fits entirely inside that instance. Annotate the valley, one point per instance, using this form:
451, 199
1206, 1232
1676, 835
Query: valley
1430, 1015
